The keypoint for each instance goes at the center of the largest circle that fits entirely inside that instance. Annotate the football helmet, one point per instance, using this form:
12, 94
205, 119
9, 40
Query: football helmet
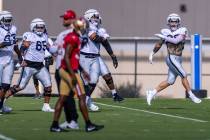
93, 16
80, 26
173, 21
6, 19
38, 26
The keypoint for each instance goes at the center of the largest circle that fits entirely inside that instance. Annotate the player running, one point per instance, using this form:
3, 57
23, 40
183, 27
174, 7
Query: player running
174, 38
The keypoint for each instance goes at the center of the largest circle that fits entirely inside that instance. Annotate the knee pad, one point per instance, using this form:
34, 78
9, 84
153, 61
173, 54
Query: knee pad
13, 89
47, 91
5, 87
108, 79
90, 89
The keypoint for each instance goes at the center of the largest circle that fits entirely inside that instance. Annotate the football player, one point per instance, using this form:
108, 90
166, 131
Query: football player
70, 78
70, 110
8, 43
35, 43
91, 60
174, 38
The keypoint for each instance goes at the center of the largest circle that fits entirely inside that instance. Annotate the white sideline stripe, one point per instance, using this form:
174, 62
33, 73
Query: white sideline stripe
2, 137
156, 113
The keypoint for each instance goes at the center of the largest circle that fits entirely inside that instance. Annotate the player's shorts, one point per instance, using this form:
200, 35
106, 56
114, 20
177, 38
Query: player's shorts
175, 68
94, 66
6, 72
42, 75
66, 84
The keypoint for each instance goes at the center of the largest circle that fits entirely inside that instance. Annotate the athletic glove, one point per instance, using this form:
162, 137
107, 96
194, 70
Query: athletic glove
114, 60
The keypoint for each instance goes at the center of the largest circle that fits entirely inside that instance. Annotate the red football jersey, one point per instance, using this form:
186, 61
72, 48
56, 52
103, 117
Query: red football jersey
73, 40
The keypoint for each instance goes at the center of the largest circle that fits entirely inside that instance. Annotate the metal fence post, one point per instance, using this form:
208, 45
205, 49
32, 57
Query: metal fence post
135, 63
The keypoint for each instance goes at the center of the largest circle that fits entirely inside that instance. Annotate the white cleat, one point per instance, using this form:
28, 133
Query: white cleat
46, 108
72, 125
195, 99
93, 107
150, 96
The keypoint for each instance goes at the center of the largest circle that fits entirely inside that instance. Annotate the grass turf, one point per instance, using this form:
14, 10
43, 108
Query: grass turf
28, 122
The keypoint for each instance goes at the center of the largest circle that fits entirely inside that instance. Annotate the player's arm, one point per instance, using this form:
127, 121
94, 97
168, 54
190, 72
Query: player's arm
157, 47
176, 39
108, 48
19, 53
68, 53
96, 38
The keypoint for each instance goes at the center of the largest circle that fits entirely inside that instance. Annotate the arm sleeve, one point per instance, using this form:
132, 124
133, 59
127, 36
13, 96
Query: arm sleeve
107, 46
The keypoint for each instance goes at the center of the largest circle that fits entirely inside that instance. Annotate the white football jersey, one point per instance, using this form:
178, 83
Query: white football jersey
179, 31
36, 50
6, 53
91, 46
59, 44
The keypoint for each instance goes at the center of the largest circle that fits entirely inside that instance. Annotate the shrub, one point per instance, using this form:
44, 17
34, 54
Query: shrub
125, 90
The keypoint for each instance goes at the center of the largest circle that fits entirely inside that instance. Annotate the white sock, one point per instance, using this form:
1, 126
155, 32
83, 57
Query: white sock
154, 91
113, 92
46, 104
190, 93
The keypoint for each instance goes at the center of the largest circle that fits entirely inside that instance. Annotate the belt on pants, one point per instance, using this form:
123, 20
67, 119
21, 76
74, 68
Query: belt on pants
90, 55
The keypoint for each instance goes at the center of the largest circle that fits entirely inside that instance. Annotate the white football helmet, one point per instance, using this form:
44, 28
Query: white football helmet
38, 26
93, 16
173, 21
6, 19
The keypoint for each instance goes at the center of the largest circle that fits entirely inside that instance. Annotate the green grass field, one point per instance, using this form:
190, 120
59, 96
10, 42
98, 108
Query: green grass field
177, 119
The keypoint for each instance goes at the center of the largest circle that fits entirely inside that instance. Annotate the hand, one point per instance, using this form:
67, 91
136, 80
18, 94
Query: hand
160, 36
151, 57
23, 64
114, 60
74, 80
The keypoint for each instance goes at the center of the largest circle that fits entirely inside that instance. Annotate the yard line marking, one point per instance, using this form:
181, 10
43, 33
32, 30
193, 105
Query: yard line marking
2, 137
156, 113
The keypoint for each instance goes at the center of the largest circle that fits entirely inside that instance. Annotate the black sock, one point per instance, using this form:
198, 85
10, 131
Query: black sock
55, 124
88, 122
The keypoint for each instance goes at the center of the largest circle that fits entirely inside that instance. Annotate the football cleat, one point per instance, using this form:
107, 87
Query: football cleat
6, 109
93, 127
195, 99
93, 107
117, 98
150, 96
72, 125
57, 129
46, 108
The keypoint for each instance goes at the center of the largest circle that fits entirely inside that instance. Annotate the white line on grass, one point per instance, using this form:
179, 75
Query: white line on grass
156, 113
2, 137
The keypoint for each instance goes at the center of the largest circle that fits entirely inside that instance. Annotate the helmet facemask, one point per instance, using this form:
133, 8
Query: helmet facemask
173, 21
95, 19
39, 29
6, 22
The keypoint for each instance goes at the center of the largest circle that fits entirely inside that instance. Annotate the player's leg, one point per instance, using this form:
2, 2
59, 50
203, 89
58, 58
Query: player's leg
44, 77
79, 90
109, 80
6, 79
91, 66
69, 107
36, 85
175, 62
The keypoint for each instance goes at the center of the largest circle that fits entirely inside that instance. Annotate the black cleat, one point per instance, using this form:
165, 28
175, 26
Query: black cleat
117, 98
93, 127
57, 129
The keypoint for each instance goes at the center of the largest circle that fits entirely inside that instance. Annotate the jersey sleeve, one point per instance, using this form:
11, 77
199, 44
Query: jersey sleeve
184, 31
1, 36
28, 37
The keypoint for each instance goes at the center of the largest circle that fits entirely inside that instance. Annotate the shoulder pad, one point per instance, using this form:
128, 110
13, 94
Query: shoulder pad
165, 32
28, 36
183, 31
